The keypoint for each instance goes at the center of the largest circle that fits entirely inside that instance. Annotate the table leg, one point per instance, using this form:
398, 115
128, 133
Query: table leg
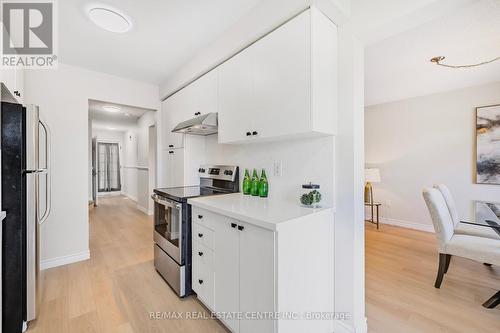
372, 220
377, 218
493, 302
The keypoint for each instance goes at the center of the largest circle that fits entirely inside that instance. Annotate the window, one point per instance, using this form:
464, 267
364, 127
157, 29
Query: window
108, 167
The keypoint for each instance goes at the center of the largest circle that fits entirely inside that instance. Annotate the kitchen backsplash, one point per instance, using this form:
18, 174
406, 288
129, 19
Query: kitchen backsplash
303, 161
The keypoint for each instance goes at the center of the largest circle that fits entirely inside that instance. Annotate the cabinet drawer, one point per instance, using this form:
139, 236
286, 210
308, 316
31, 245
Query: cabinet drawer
203, 254
203, 235
203, 282
205, 217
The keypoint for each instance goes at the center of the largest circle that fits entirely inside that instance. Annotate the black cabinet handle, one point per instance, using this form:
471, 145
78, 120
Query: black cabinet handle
200, 235
171, 152
249, 133
197, 113
200, 216
233, 225
200, 281
170, 146
240, 228
200, 254
255, 133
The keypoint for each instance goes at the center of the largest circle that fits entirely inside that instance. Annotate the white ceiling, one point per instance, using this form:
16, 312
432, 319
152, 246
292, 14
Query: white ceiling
165, 35
399, 67
124, 120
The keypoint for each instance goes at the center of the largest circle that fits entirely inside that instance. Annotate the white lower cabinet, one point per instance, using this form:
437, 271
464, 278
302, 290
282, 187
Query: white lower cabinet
243, 272
264, 280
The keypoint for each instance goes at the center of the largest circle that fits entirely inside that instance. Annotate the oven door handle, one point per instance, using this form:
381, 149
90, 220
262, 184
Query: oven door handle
156, 198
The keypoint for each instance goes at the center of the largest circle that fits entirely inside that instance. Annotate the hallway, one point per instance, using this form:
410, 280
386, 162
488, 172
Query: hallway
116, 289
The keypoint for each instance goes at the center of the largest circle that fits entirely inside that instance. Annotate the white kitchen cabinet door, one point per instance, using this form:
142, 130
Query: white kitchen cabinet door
172, 173
204, 94
226, 268
257, 292
170, 118
236, 98
282, 69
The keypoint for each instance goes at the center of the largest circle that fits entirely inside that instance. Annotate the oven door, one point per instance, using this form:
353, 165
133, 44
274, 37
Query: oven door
168, 227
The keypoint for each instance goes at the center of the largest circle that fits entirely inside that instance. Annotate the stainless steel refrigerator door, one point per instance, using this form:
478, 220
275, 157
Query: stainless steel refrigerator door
32, 211
38, 201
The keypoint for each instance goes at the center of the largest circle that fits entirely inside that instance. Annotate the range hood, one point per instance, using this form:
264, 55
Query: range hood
205, 124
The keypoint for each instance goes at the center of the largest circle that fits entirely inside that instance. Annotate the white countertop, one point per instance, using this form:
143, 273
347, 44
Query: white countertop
268, 213
2, 215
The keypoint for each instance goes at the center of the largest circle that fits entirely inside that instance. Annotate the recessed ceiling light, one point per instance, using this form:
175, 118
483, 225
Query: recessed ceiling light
126, 114
111, 108
111, 128
109, 19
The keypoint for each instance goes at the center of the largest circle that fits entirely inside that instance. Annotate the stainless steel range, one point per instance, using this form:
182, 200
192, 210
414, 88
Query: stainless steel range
172, 216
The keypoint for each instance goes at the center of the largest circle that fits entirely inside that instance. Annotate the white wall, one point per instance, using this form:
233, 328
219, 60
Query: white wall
143, 186
62, 95
339, 170
129, 168
303, 161
425, 140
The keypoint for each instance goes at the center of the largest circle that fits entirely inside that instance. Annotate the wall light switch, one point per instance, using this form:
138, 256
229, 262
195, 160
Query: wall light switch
278, 169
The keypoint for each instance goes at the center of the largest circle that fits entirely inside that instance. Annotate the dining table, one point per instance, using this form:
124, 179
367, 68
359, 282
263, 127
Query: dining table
494, 224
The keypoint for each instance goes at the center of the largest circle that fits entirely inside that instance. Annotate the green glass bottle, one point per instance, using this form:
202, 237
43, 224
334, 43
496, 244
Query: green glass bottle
263, 185
247, 183
255, 184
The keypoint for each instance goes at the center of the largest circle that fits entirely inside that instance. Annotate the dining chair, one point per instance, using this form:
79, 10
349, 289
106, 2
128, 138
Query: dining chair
450, 243
463, 228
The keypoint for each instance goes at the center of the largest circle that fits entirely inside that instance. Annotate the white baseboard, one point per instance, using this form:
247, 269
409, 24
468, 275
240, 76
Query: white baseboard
340, 326
144, 210
64, 260
407, 224
129, 196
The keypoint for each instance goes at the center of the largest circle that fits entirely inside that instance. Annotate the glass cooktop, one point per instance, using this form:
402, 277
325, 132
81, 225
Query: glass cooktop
186, 192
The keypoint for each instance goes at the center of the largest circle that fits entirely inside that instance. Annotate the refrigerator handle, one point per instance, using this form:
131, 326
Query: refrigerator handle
48, 187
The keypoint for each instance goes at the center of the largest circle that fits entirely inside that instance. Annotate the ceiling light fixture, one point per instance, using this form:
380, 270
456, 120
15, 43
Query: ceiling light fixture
111, 108
109, 19
438, 61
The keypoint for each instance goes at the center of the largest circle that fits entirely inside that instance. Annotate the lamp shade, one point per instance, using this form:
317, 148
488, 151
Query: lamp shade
372, 175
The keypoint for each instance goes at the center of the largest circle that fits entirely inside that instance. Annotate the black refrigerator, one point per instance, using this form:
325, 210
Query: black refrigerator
25, 154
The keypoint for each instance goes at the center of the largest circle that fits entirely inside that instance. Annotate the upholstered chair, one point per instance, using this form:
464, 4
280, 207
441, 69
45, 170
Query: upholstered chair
468, 229
481, 249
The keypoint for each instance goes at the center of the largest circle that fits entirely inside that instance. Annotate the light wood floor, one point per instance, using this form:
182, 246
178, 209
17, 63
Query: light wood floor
401, 266
116, 289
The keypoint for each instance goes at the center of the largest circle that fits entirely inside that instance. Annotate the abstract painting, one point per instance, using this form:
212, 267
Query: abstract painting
488, 144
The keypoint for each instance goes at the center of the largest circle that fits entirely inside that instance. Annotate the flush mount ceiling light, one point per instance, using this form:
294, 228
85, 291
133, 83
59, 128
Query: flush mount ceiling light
109, 19
111, 108
438, 61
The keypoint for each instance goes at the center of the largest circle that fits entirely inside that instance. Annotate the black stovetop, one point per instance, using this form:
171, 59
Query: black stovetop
183, 193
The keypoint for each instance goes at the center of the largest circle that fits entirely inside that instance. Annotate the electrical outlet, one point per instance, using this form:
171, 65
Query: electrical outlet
278, 169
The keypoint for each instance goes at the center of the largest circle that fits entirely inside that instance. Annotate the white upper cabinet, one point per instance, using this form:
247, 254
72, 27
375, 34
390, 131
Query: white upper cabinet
282, 86
171, 115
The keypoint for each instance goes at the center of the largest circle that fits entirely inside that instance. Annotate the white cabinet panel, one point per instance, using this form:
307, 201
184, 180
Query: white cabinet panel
256, 277
282, 86
170, 118
236, 99
282, 80
226, 267
172, 171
